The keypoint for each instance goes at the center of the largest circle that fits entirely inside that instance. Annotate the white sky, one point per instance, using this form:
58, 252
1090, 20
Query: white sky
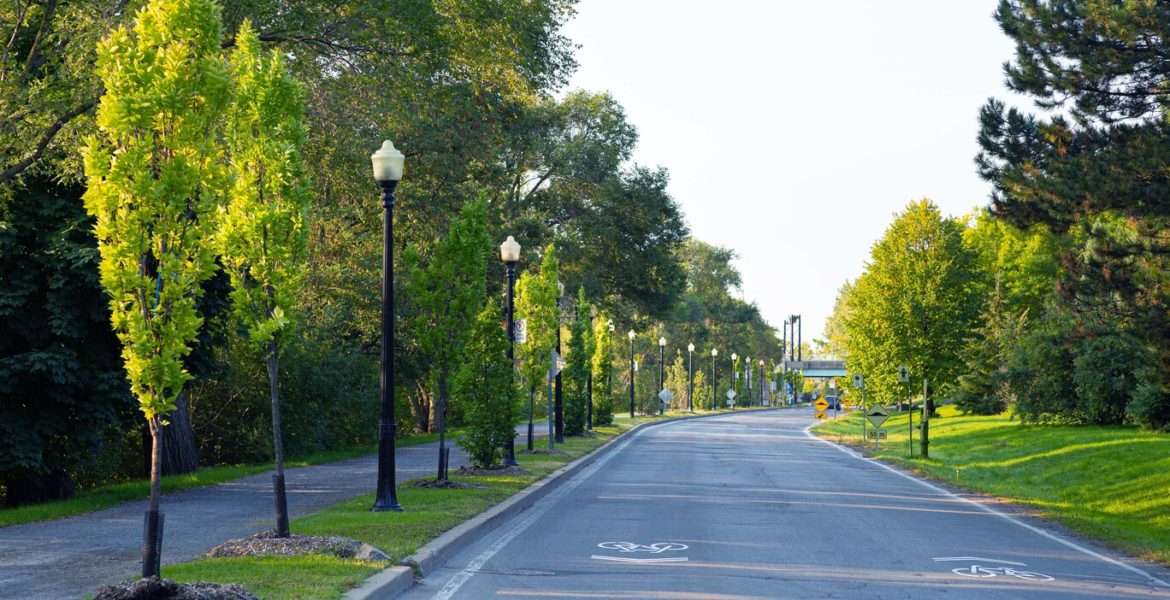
793, 131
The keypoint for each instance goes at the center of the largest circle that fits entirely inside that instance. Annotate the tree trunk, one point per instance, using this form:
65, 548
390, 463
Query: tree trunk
277, 443
152, 536
34, 488
179, 453
440, 422
422, 409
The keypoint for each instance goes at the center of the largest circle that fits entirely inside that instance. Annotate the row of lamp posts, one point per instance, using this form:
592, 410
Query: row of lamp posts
388, 163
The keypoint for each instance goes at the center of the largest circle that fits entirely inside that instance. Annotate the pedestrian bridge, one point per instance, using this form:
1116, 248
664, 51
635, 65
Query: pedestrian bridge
817, 368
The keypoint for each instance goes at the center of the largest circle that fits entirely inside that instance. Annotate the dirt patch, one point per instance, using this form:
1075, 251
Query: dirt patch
447, 484
469, 471
267, 543
153, 588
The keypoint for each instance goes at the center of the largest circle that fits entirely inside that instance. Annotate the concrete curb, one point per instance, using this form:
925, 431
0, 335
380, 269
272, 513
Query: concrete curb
436, 552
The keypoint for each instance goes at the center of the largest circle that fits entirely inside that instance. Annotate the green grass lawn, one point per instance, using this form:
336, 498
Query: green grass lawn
115, 493
428, 513
1109, 483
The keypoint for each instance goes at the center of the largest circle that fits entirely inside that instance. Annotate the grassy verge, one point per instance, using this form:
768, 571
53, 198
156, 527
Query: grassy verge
429, 512
1109, 483
105, 496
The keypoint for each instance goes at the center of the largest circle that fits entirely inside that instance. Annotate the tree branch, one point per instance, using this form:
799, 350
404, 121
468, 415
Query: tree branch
16, 169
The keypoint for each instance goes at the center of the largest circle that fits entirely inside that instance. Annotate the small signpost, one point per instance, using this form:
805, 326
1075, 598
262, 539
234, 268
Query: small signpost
664, 397
731, 398
903, 374
520, 330
876, 416
904, 379
820, 405
858, 381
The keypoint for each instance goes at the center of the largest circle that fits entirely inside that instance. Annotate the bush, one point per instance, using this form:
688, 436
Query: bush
483, 388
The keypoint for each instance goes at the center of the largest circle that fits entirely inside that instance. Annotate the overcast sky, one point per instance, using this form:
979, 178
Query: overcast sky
793, 131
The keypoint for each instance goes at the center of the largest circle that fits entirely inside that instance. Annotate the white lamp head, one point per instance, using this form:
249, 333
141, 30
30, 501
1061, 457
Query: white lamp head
510, 250
631, 335
387, 162
690, 347
661, 341
714, 352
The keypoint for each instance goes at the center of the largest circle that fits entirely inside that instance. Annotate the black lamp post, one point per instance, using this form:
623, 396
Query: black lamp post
762, 383
734, 374
387, 163
510, 254
691, 377
714, 387
631, 335
661, 372
560, 407
589, 381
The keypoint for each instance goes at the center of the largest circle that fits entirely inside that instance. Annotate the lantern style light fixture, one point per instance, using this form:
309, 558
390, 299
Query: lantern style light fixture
510, 254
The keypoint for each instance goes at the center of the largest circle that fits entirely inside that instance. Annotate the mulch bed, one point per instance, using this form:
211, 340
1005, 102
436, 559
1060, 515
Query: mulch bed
446, 484
470, 471
267, 543
541, 451
153, 588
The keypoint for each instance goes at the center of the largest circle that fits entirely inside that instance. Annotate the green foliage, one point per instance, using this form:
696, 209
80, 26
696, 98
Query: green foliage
484, 390
603, 370
536, 301
155, 179
262, 230
61, 378
982, 389
576, 373
914, 305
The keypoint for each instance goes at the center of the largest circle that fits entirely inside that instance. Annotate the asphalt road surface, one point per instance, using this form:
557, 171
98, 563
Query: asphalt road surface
749, 506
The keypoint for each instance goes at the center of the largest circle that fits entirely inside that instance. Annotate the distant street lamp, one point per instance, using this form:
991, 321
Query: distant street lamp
762, 382
387, 163
589, 382
691, 377
661, 372
631, 335
560, 407
734, 373
510, 254
714, 400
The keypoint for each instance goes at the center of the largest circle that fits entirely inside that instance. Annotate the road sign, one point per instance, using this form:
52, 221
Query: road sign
877, 415
731, 394
821, 404
520, 329
820, 415
903, 374
664, 395
858, 381
876, 434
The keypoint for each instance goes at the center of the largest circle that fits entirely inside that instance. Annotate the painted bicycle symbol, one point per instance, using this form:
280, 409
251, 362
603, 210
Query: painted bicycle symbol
981, 571
658, 548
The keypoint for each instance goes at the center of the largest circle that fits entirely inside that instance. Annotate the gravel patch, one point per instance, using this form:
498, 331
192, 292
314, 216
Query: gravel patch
153, 588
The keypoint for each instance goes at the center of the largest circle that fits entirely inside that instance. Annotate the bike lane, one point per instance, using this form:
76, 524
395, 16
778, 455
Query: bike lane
748, 506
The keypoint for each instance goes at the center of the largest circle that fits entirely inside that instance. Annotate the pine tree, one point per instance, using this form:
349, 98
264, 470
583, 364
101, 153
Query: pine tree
484, 390
603, 370
156, 176
576, 373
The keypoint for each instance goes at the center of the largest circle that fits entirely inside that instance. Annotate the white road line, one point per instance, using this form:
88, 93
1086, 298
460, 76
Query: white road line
988, 509
640, 560
978, 558
542, 506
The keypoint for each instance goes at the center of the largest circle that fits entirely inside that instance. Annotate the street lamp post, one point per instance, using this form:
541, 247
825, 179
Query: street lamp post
510, 253
661, 373
631, 335
691, 377
589, 381
762, 382
714, 387
387, 163
734, 374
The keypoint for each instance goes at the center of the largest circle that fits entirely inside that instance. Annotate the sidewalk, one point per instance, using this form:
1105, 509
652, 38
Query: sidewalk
72, 557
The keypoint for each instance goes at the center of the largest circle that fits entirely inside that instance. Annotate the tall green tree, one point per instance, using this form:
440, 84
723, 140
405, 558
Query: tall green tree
1090, 168
156, 177
914, 304
576, 373
263, 228
536, 303
603, 369
447, 293
484, 389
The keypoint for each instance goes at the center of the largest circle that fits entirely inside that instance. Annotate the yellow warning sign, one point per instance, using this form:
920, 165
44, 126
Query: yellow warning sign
819, 415
821, 404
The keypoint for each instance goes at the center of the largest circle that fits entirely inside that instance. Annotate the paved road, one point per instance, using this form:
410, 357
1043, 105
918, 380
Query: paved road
749, 506
72, 557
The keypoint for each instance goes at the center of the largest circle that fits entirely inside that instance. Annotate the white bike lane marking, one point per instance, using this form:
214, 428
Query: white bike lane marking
988, 509
630, 547
978, 570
